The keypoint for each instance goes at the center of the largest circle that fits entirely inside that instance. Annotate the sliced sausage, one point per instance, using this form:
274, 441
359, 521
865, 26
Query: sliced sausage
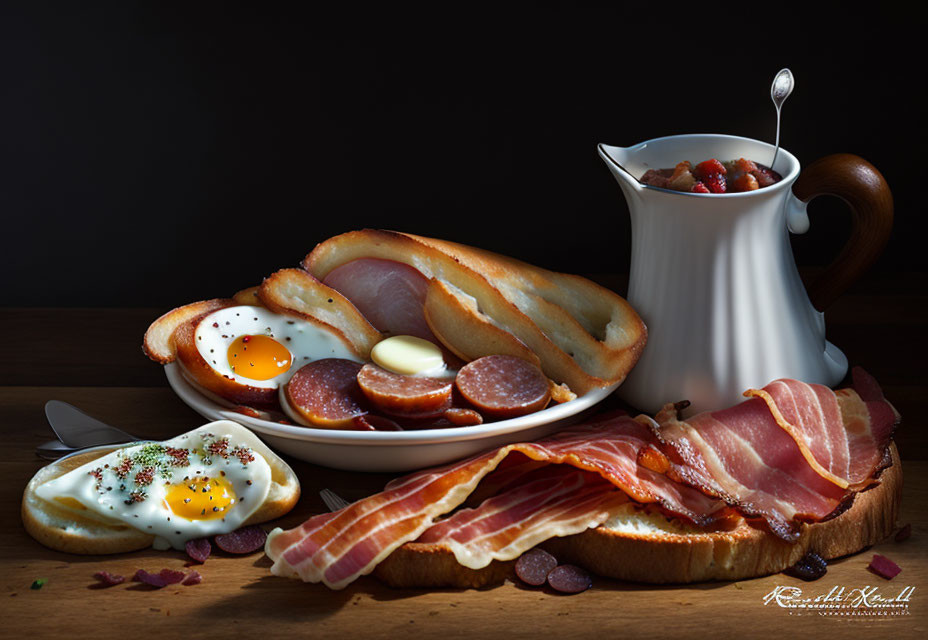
373, 422
326, 393
462, 417
404, 396
533, 566
245, 540
568, 578
503, 386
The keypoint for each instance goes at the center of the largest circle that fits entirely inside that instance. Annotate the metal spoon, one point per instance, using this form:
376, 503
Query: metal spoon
782, 86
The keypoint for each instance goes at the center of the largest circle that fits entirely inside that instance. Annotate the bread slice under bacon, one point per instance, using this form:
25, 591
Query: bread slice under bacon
584, 335
647, 547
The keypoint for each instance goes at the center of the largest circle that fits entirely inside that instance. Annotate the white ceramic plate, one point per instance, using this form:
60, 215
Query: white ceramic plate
390, 450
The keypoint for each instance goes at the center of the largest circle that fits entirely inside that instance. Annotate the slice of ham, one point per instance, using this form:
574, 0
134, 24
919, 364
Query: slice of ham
390, 294
336, 548
793, 452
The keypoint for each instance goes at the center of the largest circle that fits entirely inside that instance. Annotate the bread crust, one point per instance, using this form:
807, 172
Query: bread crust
467, 333
158, 343
80, 531
585, 335
64, 529
742, 552
296, 292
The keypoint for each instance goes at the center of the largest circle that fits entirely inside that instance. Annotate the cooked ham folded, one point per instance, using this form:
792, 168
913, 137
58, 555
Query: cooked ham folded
794, 452
791, 453
336, 548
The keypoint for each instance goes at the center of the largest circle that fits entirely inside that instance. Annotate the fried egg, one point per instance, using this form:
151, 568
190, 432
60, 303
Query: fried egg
242, 354
254, 346
199, 484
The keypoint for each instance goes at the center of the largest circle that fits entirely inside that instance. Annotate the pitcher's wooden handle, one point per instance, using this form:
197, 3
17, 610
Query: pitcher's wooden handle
865, 191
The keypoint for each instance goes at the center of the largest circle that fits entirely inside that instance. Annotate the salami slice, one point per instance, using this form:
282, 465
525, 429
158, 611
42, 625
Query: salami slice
401, 395
161, 579
193, 577
241, 541
199, 549
326, 393
503, 386
533, 566
568, 578
108, 579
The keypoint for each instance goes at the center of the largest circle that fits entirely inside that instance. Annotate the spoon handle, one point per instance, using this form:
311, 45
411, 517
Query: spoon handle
776, 143
782, 86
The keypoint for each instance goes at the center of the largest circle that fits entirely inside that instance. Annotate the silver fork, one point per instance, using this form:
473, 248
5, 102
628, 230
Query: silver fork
332, 500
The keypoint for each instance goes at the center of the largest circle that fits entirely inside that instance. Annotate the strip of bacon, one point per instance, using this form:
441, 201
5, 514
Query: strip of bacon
793, 452
557, 500
843, 434
336, 548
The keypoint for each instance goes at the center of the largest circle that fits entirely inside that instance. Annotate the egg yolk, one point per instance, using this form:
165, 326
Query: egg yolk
258, 357
200, 498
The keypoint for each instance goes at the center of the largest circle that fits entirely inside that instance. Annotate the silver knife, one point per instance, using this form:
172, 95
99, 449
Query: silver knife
78, 430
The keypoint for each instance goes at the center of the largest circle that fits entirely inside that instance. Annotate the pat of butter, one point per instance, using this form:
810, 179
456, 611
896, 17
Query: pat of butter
408, 355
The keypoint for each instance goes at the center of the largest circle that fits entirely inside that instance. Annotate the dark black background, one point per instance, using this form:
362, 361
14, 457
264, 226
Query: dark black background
155, 154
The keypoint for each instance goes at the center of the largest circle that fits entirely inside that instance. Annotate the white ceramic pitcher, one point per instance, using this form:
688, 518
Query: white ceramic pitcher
713, 275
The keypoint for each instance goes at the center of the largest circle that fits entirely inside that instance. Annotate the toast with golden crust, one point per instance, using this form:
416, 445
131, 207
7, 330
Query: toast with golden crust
584, 334
158, 343
645, 546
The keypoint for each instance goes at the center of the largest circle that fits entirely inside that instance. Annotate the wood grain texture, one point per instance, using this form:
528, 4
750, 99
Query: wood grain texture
238, 595
92, 358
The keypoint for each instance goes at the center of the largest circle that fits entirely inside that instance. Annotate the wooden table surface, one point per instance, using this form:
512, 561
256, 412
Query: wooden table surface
91, 358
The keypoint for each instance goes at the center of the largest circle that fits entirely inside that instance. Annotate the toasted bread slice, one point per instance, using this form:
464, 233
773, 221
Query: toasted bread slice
157, 343
248, 296
584, 335
70, 527
456, 320
644, 546
295, 292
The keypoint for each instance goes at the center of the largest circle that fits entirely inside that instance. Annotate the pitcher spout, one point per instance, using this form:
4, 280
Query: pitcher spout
616, 158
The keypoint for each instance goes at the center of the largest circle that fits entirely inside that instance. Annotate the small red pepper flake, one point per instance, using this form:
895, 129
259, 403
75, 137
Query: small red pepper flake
136, 496
243, 454
219, 447
97, 475
884, 567
123, 468
145, 477
179, 457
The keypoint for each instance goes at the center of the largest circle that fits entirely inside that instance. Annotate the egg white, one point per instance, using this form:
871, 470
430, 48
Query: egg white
304, 340
108, 495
